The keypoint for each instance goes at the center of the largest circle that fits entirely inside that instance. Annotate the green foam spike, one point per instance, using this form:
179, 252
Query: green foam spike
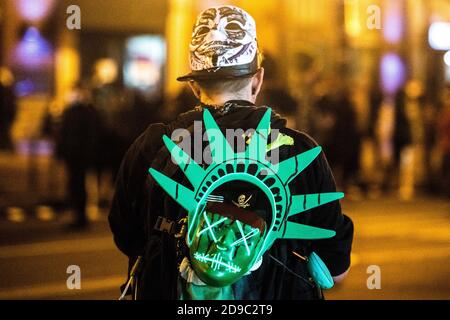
290, 168
182, 195
303, 202
258, 145
219, 146
301, 231
192, 170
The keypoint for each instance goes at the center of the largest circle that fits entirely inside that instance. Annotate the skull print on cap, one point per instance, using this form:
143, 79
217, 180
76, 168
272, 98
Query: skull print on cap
223, 44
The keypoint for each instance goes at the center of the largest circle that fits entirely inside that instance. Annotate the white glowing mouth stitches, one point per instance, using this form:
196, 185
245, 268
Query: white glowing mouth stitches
216, 262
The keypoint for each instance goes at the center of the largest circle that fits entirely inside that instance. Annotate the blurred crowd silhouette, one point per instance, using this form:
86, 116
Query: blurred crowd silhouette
95, 130
369, 137
8, 110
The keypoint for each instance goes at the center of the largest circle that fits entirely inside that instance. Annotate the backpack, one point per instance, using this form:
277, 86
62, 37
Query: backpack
159, 272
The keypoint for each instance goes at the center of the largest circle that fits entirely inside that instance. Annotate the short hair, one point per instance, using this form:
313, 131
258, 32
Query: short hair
224, 85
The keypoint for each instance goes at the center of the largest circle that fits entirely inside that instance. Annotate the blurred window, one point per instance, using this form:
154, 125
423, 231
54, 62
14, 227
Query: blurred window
144, 62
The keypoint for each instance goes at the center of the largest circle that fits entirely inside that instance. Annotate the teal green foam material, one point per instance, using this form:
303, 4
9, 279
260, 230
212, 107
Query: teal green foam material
301, 203
178, 192
250, 166
293, 230
191, 169
319, 272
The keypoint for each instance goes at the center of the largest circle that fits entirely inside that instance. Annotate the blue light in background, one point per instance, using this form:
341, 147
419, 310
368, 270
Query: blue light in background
24, 87
393, 72
33, 51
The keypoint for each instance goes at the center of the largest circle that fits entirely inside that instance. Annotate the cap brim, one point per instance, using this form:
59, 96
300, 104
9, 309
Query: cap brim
232, 72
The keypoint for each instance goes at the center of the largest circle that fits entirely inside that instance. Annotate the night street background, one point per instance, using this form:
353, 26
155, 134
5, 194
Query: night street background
81, 80
409, 241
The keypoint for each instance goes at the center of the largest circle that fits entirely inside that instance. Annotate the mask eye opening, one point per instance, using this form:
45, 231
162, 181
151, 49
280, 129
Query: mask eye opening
234, 27
201, 31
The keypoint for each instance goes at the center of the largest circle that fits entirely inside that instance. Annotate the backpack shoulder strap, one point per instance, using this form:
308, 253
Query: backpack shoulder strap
161, 160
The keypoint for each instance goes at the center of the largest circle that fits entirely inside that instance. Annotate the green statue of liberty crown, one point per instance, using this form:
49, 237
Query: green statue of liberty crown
250, 166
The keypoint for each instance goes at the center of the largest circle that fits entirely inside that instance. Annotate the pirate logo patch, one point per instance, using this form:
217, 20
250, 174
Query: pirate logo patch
242, 201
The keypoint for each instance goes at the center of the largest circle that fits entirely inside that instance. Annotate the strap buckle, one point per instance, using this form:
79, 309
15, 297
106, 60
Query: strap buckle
165, 225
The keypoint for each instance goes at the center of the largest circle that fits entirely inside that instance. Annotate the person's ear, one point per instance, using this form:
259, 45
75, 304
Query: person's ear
257, 81
195, 89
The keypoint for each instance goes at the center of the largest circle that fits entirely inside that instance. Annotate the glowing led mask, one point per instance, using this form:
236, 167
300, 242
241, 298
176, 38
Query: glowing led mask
223, 249
214, 258
223, 36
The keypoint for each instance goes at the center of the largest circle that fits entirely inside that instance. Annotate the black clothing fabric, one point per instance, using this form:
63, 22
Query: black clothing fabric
402, 130
341, 141
184, 102
7, 115
138, 201
80, 135
79, 145
402, 134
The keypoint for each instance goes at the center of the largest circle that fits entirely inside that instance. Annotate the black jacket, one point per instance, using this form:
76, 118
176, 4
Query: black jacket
138, 201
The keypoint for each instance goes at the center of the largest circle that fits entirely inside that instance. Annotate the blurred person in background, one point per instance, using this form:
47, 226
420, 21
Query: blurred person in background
335, 125
391, 130
361, 93
430, 116
109, 98
137, 111
375, 101
8, 108
275, 94
79, 145
423, 117
401, 138
444, 143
